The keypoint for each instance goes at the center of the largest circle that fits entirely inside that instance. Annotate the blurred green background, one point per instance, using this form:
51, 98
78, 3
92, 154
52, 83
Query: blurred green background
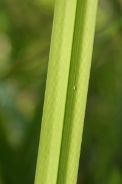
25, 32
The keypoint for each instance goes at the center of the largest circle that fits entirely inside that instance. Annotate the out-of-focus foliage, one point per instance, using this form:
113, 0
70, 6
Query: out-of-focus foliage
25, 31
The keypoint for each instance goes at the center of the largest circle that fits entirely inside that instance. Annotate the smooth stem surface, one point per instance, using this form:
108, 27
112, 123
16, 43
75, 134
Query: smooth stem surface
56, 89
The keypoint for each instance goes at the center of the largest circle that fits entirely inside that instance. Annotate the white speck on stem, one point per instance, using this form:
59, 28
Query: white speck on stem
75, 88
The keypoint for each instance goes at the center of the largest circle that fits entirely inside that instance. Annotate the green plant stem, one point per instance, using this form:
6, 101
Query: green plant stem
56, 89
66, 91
77, 91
